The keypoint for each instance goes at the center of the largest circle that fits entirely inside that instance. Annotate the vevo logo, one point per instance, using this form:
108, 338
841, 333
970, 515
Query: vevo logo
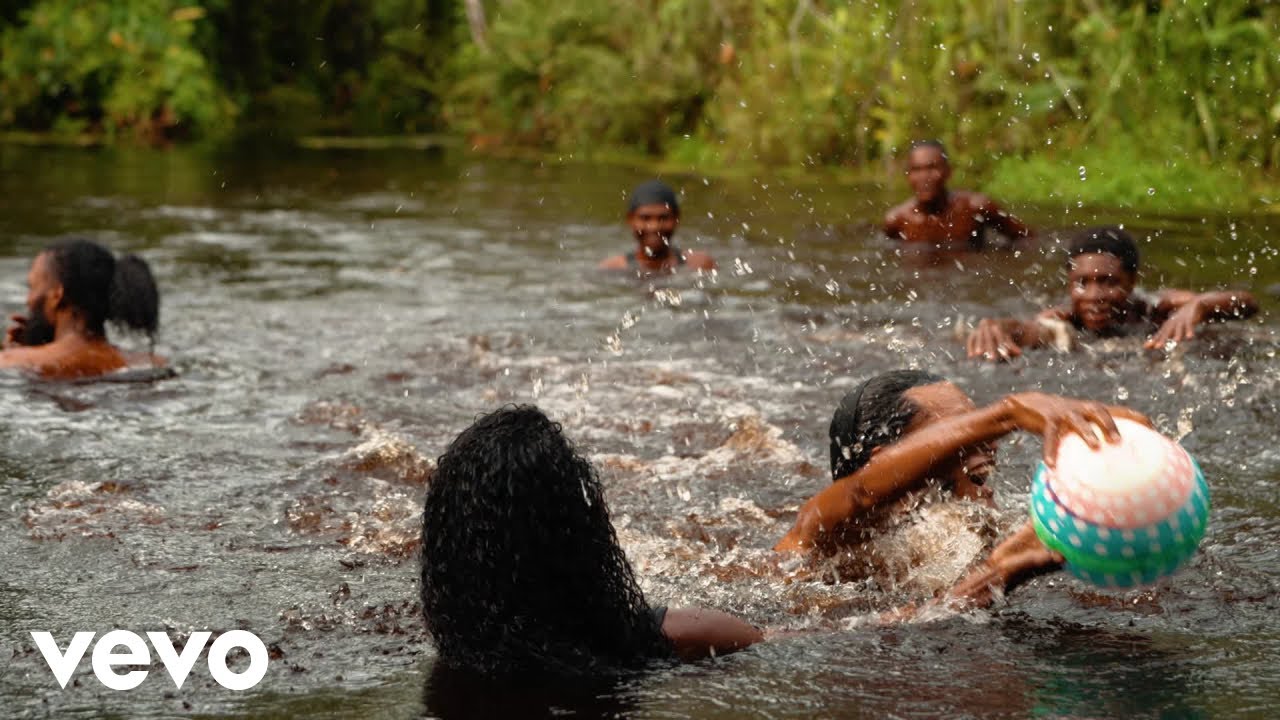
105, 657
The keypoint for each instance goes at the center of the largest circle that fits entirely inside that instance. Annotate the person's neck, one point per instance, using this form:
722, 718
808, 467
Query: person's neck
71, 328
658, 259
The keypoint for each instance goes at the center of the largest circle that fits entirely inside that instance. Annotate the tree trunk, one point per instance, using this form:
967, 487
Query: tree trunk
475, 19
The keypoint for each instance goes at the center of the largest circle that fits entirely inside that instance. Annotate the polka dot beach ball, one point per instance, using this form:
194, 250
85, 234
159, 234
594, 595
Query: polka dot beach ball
1126, 514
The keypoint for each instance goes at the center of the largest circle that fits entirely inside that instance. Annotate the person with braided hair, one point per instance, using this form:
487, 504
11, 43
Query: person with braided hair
522, 573
74, 288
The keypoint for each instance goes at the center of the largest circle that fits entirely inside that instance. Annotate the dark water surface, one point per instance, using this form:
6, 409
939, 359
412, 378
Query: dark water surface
337, 318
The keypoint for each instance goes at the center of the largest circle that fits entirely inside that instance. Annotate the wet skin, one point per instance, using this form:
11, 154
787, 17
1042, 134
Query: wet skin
952, 441
653, 227
940, 220
73, 351
1102, 303
1100, 291
966, 475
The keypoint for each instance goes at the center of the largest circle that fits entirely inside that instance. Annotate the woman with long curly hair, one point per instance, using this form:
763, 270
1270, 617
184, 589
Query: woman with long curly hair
522, 571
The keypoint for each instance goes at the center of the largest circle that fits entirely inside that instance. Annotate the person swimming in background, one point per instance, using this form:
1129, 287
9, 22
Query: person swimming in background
938, 219
74, 287
904, 433
1102, 276
522, 572
653, 216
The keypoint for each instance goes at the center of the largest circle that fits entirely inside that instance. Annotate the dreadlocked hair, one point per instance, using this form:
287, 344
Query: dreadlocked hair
521, 568
873, 415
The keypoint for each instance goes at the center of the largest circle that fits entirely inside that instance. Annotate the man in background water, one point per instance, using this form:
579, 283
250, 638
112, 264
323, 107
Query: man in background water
654, 215
941, 220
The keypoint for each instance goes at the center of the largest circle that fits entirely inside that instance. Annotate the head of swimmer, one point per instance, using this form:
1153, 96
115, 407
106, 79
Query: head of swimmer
80, 283
516, 534
890, 406
654, 215
1102, 268
928, 169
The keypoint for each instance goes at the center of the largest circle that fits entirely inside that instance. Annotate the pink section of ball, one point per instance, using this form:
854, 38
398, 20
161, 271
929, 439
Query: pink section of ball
1129, 484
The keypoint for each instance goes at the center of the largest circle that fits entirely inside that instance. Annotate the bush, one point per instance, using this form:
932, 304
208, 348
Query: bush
113, 65
808, 82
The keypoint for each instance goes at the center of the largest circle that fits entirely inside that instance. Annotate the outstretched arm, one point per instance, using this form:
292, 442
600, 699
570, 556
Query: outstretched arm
697, 633
1020, 557
1004, 339
892, 227
1186, 310
1004, 222
905, 464
615, 262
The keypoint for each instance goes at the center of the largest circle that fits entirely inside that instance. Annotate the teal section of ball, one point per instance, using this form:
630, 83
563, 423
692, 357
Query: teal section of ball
1121, 558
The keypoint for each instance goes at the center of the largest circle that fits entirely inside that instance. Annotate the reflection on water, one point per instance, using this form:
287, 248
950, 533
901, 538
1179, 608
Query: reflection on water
336, 318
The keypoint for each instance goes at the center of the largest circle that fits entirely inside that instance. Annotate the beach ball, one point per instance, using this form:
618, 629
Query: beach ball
1126, 514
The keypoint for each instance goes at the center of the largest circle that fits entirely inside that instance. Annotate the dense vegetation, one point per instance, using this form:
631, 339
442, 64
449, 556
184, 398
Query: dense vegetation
1183, 91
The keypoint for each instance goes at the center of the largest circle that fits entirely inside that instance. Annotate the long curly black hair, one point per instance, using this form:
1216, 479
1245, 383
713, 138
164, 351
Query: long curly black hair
521, 569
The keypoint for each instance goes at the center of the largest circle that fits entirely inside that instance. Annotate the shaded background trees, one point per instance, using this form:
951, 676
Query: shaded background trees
709, 82
172, 69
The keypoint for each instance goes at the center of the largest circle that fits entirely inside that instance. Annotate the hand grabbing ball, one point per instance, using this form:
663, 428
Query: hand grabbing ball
1126, 514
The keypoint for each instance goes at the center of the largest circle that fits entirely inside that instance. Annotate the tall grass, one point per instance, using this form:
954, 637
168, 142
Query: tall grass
825, 82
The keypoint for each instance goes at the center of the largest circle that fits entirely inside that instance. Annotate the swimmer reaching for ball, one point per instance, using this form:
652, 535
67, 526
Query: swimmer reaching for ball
907, 430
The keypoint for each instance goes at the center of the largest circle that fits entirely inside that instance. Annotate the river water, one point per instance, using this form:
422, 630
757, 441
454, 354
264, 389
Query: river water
335, 318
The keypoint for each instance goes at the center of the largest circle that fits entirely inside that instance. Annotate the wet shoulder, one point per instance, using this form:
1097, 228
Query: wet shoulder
698, 260
76, 361
971, 200
899, 212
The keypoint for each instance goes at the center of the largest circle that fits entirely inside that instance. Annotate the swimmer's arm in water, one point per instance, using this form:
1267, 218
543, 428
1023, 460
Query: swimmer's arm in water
1005, 338
1186, 310
697, 633
893, 223
1004, 222
616, 262
1019, 558
896, 468
20, 356
697, 260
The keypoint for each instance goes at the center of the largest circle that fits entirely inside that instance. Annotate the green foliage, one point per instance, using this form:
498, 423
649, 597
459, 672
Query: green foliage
567, 75
166, 68
1117, 173
1023, 91
332, 66
406, 77
804, 82
116, 65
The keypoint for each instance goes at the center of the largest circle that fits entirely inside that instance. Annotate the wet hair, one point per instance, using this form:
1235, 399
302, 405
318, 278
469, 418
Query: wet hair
935, 144
521, 570
102, 288
874, 414
1108, 240
654, 192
